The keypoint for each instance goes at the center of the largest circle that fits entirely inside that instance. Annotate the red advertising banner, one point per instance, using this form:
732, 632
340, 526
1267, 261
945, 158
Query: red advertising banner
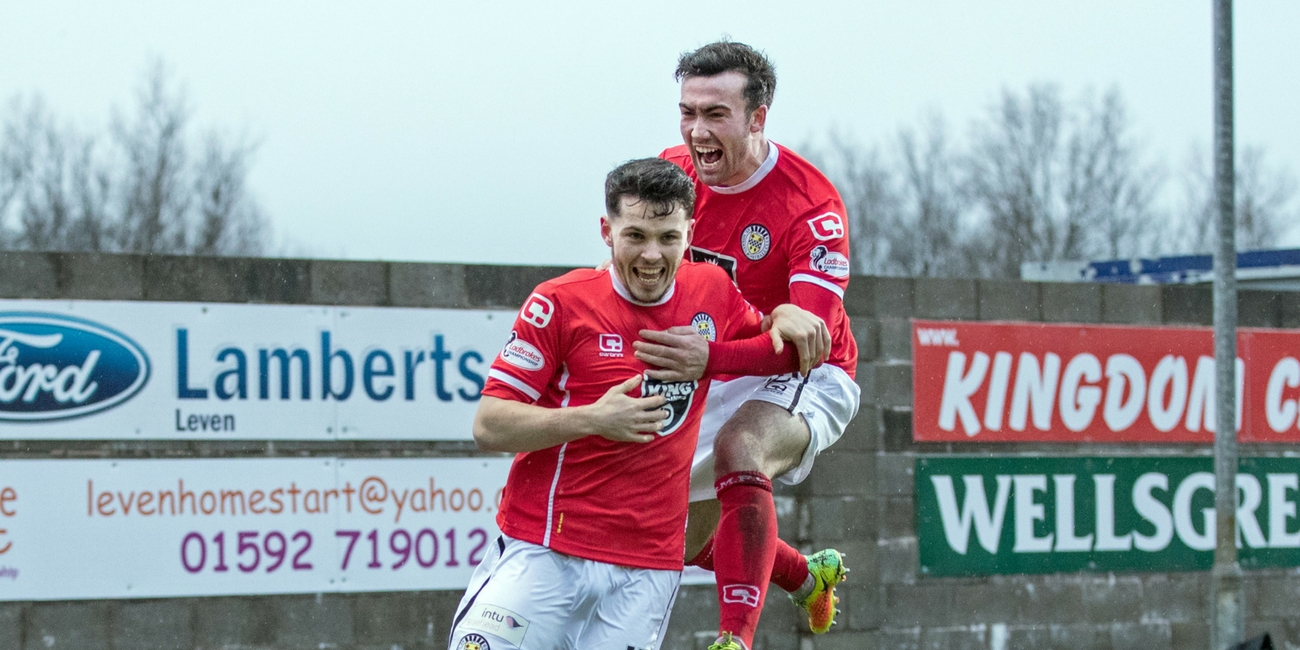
1021, 382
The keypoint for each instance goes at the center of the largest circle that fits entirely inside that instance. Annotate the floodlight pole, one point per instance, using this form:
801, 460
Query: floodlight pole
1228, 619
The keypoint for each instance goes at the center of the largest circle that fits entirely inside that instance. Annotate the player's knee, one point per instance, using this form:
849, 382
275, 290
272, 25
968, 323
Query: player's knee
737, 450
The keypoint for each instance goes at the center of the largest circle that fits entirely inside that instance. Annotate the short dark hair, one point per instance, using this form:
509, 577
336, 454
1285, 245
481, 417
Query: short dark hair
656, 180
727, 56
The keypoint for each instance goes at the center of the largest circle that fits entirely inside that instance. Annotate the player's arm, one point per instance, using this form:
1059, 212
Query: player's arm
513, 426
817, 247
681, 354
805, 329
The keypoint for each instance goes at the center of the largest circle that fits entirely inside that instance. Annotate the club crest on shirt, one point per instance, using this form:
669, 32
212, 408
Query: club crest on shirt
829, 262
703, 324
755, 242
522, 354
679, 395
472, 642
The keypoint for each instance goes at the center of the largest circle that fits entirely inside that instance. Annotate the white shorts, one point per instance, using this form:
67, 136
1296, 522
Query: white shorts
528, 597
826, 400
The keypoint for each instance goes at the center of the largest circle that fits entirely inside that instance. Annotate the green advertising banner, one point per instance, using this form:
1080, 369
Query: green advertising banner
1000, 515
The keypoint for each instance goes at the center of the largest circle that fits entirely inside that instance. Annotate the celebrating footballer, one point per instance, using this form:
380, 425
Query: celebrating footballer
594, 510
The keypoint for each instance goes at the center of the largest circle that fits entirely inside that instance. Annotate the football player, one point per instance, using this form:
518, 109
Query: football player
776, 225
593, 514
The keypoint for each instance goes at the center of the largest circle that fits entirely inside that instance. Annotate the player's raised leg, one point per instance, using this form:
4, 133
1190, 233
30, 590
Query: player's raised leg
759, 441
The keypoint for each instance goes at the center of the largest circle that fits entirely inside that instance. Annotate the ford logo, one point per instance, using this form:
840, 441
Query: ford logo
57, 367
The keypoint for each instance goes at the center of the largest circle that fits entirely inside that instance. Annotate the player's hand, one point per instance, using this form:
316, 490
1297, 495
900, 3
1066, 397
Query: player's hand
804, 329
620, 417
605, 264
679, 353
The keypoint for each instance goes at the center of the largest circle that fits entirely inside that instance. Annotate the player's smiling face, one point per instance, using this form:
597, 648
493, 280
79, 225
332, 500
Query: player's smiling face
726, 141
647, 246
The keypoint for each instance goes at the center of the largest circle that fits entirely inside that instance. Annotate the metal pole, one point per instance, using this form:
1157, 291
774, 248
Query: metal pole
1228, 626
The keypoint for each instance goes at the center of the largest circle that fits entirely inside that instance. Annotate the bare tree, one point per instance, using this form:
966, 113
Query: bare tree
139, 190
229, 221
1109, 189
1040, 179
871, 199
1055, 183
1266, 209
928, 234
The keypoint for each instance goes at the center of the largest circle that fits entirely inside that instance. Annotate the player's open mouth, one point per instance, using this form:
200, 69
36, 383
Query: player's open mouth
648, 277
708, 155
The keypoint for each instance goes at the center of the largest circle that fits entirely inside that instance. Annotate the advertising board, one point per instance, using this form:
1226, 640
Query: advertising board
157, 370
87, 529
1004, 515
1020, 382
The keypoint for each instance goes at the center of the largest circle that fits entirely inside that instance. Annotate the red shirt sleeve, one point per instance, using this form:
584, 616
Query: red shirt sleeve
752, 356
531, 358
817, 246
742, 348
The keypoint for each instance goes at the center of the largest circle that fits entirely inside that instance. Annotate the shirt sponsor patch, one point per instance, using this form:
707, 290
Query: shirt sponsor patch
755, 242
498, 621
473, 642
537, 311
726, 262
522, 354
827, 227
829, 262
679, 394
704, 325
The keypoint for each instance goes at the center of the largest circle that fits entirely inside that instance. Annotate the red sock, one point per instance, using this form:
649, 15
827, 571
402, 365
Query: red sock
704, 559
790, 568
745, 544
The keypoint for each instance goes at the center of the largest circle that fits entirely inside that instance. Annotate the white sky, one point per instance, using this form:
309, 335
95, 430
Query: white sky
481, 132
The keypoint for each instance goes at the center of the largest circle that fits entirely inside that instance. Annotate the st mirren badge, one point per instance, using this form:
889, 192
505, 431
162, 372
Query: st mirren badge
755, 242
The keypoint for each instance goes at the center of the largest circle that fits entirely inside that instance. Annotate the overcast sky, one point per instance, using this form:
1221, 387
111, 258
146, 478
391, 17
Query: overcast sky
482, 131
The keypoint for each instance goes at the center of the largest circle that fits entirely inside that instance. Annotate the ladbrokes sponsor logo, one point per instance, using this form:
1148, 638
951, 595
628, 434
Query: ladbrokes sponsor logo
498, 621
522, 354
829, 262
57, 367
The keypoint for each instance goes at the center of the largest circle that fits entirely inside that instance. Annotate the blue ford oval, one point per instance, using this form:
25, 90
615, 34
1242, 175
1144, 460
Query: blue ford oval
55, 367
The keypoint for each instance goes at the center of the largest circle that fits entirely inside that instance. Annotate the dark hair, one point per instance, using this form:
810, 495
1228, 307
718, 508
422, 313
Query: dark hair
656, 180
727, 56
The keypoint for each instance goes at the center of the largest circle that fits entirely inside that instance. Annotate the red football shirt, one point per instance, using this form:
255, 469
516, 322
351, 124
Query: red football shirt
616, 502
783, 226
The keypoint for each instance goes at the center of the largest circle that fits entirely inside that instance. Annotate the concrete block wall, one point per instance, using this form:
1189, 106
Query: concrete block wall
887, 604
858, 499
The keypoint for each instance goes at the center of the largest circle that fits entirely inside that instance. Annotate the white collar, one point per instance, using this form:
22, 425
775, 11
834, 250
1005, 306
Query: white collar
627, 295
768, 165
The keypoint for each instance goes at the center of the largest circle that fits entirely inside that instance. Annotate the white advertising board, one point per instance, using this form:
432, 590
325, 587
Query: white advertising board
156, 370
85, 529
